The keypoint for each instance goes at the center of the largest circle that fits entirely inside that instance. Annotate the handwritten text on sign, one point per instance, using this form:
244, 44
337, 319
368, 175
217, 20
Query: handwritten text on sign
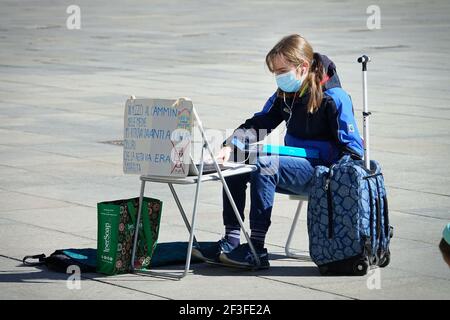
157, 135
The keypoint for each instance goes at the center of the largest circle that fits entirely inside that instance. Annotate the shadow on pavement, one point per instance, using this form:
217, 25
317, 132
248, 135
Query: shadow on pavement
38, 276
42, 274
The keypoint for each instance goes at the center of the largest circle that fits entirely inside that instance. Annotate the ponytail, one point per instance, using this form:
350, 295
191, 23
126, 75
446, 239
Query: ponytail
314, 81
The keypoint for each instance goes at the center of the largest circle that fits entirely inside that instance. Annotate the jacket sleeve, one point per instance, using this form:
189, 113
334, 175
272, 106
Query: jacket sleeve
343, 124
261, 124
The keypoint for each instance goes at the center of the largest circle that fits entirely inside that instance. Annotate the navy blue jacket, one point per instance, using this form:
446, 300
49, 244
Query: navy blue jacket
331, 129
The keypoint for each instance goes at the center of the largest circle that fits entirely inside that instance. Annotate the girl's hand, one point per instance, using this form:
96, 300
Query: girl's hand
224, 154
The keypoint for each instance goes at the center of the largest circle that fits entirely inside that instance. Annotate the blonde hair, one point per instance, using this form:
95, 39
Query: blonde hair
296, 50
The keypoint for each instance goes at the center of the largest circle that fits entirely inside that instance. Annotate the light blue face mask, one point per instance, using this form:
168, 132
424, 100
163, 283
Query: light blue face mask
288, 82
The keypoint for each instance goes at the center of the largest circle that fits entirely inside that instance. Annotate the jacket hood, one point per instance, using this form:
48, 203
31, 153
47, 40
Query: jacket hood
330, 69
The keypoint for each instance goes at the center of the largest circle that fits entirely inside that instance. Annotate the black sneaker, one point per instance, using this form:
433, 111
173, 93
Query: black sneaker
242, 257
211, 253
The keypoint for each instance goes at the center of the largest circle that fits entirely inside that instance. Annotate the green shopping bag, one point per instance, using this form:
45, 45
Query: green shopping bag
115, 236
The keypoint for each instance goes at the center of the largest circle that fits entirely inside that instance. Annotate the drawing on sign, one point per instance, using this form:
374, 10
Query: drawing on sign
180, 141
184, 119
177, 156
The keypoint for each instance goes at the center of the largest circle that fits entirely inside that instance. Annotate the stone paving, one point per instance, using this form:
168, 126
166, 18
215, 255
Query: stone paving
62, 95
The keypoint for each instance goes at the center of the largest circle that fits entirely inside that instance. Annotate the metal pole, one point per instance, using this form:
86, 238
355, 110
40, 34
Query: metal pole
136, 231
180, 207
194, 213
364, 60
293, 227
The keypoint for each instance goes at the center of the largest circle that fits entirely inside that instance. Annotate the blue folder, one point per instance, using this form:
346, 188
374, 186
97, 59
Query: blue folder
291, 151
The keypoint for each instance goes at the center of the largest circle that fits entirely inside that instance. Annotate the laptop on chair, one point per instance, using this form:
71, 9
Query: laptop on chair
208, 167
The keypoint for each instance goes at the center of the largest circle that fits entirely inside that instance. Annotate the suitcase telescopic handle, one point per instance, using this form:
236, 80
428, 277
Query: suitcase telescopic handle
364, 60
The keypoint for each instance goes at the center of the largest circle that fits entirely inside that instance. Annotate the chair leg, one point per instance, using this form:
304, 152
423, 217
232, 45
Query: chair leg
287, 248
182, 212
194, 213
136, 233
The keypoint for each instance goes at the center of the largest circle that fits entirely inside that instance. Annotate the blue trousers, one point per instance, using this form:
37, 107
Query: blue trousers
283, 174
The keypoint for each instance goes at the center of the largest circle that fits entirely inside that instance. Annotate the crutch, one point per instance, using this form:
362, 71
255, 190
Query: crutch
364, 60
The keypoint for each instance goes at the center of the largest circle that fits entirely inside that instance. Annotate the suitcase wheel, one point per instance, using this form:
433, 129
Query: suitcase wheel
323, 270
360, 268
385, 260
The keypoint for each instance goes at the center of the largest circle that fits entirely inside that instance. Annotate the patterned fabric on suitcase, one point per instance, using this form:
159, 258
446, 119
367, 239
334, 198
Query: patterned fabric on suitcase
348, 218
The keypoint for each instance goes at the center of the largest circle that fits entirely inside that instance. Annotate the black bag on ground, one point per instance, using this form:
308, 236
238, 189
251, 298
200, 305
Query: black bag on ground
60, 260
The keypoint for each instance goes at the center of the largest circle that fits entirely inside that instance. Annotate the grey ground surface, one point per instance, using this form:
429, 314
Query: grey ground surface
62, 93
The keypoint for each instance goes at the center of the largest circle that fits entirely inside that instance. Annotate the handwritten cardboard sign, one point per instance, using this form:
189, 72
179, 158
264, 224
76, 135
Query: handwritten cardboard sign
157, 135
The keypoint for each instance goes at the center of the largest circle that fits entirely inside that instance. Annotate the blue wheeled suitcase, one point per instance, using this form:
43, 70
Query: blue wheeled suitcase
348, 218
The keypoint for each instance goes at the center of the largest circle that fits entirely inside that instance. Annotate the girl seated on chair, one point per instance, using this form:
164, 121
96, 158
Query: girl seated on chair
318, 114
